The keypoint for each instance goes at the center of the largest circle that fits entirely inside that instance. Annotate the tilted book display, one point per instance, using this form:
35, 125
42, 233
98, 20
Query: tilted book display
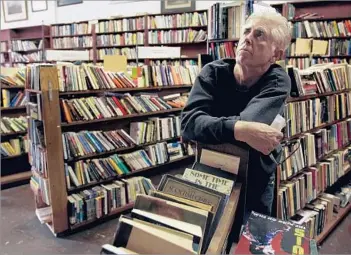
216, 168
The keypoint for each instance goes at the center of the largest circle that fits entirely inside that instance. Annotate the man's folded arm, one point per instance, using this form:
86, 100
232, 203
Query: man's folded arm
198, 123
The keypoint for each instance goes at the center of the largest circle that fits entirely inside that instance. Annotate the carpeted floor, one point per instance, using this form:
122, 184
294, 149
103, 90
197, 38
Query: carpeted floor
22, 233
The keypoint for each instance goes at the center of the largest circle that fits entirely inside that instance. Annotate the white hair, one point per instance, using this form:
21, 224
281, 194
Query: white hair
281, 31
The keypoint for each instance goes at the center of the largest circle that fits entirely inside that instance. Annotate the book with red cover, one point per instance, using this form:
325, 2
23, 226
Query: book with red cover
267, 235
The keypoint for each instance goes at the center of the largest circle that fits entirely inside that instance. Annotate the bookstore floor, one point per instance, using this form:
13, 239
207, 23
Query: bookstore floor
21, 231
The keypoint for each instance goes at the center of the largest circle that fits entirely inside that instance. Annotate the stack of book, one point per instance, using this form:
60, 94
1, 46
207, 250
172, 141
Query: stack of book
13, 125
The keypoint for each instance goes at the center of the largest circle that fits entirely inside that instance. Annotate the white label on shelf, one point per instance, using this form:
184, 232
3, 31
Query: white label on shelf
65, 55
158, 52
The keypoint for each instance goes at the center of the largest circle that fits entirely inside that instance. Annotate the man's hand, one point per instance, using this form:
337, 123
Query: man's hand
259, 136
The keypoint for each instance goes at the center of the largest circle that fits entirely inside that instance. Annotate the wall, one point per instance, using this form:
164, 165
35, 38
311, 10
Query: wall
89, 10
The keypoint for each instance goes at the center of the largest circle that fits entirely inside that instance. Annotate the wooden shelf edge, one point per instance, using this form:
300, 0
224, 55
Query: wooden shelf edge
15, 177
13, 108
13, 133
329, 228
14, 156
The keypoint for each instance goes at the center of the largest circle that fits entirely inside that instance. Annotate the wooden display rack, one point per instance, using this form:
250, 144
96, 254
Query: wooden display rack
228, 228
56, 179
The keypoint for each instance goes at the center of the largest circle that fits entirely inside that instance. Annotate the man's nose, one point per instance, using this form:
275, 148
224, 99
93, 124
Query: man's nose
248, 38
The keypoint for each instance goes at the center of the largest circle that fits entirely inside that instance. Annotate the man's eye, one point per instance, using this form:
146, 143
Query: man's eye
259, 33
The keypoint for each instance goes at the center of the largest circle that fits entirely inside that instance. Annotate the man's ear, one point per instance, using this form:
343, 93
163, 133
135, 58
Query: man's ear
278, 54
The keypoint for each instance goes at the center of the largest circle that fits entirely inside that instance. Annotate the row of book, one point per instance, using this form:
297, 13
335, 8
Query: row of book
71, 29
94, 77
13, 124
13, 147
331, 47
22, 45
90, 108
90, 171
73, 42
102, 200
302, 189
323, 210
15, 80
177, 36
120, 39
155, 129
159, 74
321, 29
226, 20
313, 113
12, 99
320, 79
310, 148
31, 57
222, 50
85, 143
130, 53
120, 25
193, 19
303, 63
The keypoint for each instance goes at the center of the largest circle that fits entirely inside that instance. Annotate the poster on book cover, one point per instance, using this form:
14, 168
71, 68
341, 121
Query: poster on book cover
271, 236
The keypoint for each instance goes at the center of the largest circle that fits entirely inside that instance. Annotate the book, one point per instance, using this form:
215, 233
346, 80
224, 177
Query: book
267, 235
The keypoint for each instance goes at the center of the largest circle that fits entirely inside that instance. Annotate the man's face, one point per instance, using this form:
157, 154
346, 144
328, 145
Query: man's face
255, 47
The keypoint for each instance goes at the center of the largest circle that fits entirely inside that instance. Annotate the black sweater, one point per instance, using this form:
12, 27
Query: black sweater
216, 102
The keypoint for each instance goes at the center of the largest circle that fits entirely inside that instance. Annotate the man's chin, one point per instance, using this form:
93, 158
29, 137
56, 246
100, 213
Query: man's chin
242, 60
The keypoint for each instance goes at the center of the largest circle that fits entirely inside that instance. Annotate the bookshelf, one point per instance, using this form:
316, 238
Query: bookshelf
115, 35
319, 118
71, 156
328, 140
14, 158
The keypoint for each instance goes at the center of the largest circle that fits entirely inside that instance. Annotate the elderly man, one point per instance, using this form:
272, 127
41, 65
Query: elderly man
236, 101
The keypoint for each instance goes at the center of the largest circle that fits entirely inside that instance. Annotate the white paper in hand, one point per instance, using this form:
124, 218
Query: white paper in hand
278, 123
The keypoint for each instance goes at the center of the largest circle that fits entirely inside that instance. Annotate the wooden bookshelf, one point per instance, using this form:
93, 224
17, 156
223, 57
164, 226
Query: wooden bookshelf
49, 36
15, 168
15, 177
329, 11
54, 174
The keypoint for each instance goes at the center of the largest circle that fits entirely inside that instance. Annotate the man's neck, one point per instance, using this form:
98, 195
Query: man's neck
248, 76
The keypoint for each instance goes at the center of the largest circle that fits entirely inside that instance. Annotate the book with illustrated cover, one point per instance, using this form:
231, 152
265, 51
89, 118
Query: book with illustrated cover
267, 235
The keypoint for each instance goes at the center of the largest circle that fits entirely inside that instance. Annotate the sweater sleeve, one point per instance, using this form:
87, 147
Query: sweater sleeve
198, 123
